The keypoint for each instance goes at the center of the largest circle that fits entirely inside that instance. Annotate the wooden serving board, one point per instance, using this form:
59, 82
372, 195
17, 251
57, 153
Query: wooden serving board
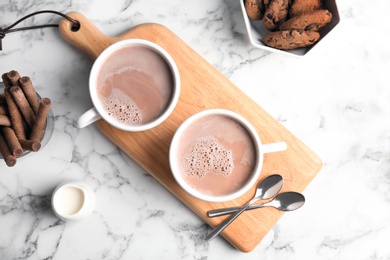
202, 87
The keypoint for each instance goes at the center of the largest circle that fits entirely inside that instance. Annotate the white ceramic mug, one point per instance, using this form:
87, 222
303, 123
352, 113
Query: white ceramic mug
260, 149
73, 200
98, 112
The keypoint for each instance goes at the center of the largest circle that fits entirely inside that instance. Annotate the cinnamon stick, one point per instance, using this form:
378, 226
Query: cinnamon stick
4, 120
30, 145
9, 159
29, 91
16, 117
13, 77
23, 105
12, 141
6, 81
39, 127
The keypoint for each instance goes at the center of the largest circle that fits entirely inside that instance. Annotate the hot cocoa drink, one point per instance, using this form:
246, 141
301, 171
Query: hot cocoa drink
217, 155
134, 85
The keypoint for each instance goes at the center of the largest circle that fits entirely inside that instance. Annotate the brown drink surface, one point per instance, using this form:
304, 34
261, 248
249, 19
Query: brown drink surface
135, 85
217, 155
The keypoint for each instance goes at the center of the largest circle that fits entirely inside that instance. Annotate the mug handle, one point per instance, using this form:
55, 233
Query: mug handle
274, 147
88, 118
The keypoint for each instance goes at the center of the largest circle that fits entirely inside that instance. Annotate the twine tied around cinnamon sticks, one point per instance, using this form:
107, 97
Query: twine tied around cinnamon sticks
22, 117
9, 29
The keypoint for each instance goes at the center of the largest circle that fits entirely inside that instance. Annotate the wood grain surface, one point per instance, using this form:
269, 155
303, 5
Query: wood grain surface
202, 87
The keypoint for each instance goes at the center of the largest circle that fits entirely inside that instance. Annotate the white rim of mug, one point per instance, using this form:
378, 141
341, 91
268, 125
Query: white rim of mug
173, 159
175, 76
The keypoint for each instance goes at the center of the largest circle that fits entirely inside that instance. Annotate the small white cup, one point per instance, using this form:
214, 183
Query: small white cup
97, 112
260, 148
73, 200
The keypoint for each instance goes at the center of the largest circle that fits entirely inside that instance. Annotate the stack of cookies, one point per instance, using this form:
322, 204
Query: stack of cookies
292, 23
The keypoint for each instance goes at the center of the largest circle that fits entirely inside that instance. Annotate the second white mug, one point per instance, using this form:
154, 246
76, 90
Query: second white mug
216, 155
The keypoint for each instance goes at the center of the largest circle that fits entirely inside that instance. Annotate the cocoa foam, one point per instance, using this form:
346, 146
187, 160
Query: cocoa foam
121, 107
207, 155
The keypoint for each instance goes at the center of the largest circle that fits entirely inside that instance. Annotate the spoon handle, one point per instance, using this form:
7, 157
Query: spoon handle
215, 232
226, 211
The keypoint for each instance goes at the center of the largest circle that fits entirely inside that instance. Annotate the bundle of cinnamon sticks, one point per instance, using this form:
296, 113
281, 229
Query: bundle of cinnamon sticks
22, 117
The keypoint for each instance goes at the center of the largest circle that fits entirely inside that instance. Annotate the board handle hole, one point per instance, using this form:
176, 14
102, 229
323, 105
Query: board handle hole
75, 26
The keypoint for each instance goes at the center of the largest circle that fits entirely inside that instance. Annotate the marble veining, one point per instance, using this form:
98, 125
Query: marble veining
336, 100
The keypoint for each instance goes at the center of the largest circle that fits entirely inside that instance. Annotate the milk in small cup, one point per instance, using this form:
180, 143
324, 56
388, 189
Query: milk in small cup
216, 155
73, 200
134, 86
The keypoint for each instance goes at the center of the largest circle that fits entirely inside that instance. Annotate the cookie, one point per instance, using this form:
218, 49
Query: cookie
254, 9
299, 7
287, 40
275, 14
311, 21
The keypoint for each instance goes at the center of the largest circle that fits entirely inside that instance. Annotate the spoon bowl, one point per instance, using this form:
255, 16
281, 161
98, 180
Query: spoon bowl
269, 187
287, 201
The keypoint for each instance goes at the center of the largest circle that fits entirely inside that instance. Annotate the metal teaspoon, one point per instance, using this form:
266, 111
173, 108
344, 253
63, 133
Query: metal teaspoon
286, 201
266, 189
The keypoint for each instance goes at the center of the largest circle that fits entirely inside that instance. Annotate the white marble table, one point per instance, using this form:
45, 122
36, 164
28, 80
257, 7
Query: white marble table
337, 100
